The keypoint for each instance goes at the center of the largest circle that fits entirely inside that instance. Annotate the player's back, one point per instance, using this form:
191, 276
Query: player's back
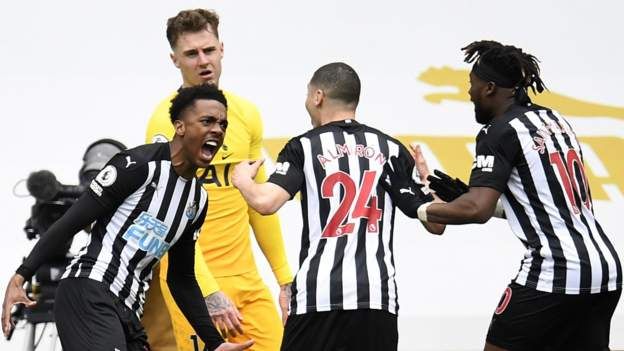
549, 206
346, 259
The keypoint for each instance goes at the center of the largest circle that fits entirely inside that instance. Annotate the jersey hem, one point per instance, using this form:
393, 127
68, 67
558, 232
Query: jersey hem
340, 307
571, 291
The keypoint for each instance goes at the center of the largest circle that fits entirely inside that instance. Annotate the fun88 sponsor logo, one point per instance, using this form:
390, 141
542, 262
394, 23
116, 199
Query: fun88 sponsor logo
148, 233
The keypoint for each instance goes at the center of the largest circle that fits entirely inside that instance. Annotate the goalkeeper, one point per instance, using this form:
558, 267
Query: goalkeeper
225, 242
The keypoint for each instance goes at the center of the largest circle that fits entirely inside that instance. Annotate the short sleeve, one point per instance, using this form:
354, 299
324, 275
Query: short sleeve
117, 180
289, 168
496, 155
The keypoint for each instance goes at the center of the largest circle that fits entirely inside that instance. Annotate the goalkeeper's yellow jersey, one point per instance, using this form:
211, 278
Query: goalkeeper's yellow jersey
224, 238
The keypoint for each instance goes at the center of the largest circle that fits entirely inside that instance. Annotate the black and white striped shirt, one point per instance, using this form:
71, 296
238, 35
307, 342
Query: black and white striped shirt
532, 156
151, 208
346, 260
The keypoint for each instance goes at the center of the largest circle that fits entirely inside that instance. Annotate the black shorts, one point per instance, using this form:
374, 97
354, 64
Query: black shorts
360, 330
89, 317
527, 319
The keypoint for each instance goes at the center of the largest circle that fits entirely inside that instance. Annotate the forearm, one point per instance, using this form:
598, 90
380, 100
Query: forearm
188, 296
460, 211
269, 237
258, 196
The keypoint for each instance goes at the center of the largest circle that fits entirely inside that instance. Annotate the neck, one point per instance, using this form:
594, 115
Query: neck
502, 107
336, 115
181, 165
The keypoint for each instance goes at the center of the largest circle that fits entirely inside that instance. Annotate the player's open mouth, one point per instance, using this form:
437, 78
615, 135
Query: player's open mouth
209, 148
205, 74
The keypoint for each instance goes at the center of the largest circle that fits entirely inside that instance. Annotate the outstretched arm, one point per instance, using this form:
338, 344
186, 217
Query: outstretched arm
475, 206
82, 213
266, 198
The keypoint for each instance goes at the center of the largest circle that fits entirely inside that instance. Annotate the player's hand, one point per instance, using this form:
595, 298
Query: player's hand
245, 171
445, 187
224, 314
421, 164
405, 192
284, 300
14, 294
229, 346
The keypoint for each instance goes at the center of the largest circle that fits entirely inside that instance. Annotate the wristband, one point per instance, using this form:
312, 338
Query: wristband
422, 211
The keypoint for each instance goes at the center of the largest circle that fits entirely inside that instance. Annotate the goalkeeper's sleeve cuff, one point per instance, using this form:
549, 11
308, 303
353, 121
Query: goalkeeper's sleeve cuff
283, 274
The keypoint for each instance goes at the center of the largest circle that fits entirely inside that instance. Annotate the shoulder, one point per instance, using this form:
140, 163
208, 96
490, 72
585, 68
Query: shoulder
240, 105
238, 101
141, 155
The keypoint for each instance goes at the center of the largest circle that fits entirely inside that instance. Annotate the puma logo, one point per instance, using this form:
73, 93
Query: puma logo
406, 190
129, 162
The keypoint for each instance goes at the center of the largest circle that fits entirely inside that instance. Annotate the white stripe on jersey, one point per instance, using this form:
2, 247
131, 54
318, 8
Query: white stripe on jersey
393, 150
349, 272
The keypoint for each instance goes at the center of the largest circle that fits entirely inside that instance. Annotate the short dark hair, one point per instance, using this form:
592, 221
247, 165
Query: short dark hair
519, 68
339, 81
186, 97
191, 21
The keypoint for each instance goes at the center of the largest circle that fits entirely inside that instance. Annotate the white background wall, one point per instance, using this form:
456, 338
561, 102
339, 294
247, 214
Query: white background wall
72, 72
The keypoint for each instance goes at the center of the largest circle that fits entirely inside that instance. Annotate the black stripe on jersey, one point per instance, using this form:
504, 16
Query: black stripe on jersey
381, 200
531, 235
559, 278
580, 205
172, 179
143, 205
179, 211
335, 289
361, 269
319, 174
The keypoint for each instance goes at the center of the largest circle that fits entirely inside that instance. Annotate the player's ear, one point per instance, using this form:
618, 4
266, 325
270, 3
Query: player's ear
179, 127
489, 89
319, 96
